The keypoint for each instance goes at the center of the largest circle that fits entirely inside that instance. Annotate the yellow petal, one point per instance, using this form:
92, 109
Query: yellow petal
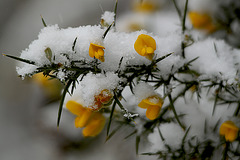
139, 45
101, 58
145, 6
231, 135
93, 49
150, 50
100, 52
149, 41
153, 112
78, 123
143, 42
95, 126
202, 21
229, 130
143, 52
84, 119
75, 108
151, 101
143, 104
154, 100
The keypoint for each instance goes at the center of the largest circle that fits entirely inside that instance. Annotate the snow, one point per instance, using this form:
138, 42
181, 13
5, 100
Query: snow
92, 85
108, 17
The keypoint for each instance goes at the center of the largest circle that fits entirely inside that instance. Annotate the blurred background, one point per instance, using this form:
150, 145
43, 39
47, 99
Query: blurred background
28, 125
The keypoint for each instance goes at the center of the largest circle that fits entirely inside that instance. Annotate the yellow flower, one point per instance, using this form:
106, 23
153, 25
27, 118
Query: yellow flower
52, 87
92, 121
229, 130
145, 6
95, 126
202, 21
96, 51
153, 105
134, 27
145, 45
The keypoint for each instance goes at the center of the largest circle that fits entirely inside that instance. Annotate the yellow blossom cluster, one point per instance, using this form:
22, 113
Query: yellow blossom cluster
145, 45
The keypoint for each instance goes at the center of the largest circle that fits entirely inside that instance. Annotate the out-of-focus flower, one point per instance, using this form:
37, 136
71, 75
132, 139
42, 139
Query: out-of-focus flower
134, 27
202, 21
229, 130
145, 6
92, 121
96, 51
145, 45
95, 126
153, 105
52, 87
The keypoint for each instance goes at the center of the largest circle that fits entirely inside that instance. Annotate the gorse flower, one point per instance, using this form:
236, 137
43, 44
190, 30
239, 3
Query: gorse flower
229, 130
104, 98
145, 6
52, 87
145, 45
202, 21
96, 51
153, 105
92, 121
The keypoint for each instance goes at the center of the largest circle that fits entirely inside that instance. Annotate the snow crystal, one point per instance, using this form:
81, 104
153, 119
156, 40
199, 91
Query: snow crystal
108, 17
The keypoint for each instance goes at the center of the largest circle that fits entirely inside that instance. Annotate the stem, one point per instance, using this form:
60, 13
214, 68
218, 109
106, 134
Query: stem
184, 17
237, 110
62, 100
184, 28
174, 111
177, 8
225, 156
115, 11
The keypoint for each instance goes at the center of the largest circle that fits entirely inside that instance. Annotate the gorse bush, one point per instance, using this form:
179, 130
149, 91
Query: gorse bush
166, 74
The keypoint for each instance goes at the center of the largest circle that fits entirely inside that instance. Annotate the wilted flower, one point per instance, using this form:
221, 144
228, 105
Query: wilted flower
92, 121
145, 45
229, 130
96, 51
153, 105
104, 98
202, 21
